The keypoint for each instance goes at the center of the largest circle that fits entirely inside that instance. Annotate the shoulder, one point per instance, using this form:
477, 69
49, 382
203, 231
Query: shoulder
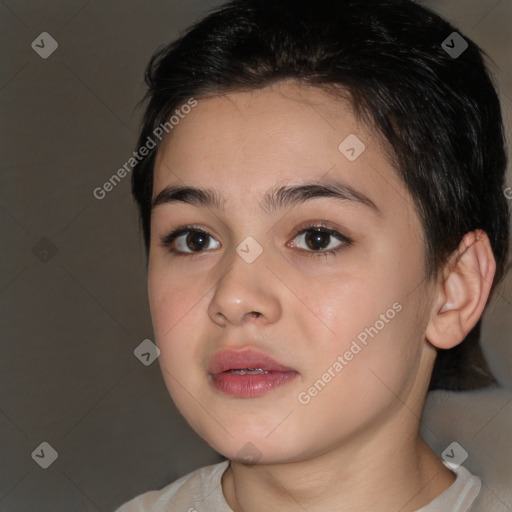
194, 489
460, 496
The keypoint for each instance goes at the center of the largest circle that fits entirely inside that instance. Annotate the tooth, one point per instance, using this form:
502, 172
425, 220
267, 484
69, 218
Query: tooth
244, 371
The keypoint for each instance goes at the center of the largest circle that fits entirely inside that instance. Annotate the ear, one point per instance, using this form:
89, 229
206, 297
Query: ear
463, 292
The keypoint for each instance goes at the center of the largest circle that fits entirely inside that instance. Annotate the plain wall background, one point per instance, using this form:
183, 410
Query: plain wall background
72, 279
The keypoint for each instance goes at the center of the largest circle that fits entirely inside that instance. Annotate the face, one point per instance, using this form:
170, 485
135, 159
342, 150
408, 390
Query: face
329, 286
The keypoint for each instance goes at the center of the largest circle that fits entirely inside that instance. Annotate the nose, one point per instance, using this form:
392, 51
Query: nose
244, 293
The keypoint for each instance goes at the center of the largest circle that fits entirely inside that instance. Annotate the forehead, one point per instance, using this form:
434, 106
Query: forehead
276, 119
247, 142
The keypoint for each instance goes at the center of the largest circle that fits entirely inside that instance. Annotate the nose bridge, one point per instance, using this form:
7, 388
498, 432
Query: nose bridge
243, 288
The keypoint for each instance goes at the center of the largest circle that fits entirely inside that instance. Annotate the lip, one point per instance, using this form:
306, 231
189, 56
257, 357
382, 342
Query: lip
248, 385
229, 359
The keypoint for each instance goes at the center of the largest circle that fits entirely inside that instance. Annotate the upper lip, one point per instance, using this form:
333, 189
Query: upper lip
229, 359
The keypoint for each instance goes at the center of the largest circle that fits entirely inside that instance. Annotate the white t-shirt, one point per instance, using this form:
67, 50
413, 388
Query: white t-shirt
201, 491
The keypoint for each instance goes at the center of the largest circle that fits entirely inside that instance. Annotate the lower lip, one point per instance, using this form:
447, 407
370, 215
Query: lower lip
250, 385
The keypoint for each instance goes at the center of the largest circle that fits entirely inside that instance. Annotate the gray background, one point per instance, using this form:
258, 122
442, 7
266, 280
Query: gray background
72, 279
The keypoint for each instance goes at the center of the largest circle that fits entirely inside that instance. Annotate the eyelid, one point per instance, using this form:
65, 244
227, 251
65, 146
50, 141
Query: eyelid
308, 226
166, 241
170, 237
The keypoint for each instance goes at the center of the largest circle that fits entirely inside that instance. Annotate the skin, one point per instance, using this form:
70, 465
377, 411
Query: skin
356, 442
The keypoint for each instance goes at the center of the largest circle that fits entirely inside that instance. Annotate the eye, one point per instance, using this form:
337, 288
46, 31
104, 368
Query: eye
318, 239
196, 240
190, 240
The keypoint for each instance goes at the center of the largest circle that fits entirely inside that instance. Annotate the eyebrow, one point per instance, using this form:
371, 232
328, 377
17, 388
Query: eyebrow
280, 197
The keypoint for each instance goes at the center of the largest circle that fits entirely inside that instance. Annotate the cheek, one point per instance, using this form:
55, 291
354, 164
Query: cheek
372, 379
374, 327
177, 311
173, 302
344, 307
388, 363
175, 315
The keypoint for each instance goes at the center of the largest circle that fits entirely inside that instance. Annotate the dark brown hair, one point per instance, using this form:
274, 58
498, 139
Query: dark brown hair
438, 114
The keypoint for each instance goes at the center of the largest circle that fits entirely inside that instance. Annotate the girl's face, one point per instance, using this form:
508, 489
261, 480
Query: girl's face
342, 307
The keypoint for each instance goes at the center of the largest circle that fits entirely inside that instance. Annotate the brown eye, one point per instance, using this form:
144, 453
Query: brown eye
319, 238
195, 241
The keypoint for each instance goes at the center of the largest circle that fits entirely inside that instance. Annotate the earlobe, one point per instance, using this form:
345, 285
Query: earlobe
464, 291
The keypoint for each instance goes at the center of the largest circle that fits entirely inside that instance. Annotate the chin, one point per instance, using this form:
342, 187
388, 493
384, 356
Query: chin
255, 450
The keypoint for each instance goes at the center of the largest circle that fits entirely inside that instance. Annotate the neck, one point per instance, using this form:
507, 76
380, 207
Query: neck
383, 467
404, 476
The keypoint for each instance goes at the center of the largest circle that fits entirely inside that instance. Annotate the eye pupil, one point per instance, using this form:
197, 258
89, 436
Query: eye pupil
196, 240
317, 237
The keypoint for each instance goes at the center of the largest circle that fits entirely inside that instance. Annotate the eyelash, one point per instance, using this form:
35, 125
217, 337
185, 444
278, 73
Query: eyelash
168, 240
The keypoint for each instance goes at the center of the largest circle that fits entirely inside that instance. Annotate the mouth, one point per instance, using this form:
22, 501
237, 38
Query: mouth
247, 373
